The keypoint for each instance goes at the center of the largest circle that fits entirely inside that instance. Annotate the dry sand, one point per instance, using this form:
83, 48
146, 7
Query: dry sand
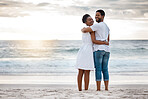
63, 91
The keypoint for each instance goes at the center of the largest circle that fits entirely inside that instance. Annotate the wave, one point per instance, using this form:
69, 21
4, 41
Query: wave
72, 50
142, 48
128, 49
69, 50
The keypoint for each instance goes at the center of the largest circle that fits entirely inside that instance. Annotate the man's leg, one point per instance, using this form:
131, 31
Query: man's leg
98, 64
79, 79
105, 69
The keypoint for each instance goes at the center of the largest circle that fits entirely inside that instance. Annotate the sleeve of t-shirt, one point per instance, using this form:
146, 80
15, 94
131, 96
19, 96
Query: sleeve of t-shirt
108, 30
94, 27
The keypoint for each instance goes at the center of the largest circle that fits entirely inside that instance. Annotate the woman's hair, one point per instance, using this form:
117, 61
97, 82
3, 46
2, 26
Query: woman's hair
84, 18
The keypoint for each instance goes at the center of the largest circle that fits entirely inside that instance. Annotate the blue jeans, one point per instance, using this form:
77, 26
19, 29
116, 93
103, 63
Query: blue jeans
101, 59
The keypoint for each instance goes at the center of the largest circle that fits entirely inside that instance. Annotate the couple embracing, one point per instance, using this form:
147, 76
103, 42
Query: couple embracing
94, 52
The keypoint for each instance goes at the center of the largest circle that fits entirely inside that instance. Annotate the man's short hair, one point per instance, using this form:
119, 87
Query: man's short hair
102, 12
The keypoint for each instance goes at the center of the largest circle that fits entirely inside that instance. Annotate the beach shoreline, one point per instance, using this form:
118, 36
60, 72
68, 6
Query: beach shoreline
69, 79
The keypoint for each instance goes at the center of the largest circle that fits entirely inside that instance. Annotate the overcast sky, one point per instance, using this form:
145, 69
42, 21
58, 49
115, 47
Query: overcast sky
61, 19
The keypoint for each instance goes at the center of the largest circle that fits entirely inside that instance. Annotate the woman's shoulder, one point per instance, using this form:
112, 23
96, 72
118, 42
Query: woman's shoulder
86, 26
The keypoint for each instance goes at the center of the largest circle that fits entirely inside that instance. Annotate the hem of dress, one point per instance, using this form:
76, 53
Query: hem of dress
85, 68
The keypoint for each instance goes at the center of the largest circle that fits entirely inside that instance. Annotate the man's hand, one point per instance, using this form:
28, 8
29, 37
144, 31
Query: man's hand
106, 43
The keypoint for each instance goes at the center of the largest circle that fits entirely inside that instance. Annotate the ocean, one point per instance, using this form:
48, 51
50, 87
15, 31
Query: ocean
58, 57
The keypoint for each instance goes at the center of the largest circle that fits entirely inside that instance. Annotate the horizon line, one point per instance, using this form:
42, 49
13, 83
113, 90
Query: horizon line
62, 39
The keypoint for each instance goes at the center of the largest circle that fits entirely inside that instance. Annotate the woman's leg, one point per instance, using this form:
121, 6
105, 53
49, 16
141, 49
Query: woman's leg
86, 78
105, 69
79, 79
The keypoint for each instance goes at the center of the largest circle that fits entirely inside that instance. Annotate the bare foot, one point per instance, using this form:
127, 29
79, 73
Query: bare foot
80, 89
106, 89
98, 90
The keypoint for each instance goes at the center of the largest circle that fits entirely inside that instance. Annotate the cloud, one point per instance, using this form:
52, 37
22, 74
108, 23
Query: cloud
16, 8
146, 15
121, 9
43, 4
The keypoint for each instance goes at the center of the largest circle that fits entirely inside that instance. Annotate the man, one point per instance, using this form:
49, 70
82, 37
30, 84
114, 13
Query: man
101, 52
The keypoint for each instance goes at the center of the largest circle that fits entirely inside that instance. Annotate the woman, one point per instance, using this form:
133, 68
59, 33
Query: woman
85, 61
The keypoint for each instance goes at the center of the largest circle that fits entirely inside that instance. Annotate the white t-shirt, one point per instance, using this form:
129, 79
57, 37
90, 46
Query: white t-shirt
101, 33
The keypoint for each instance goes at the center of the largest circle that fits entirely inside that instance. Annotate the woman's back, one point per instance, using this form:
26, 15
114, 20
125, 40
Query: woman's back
86, 38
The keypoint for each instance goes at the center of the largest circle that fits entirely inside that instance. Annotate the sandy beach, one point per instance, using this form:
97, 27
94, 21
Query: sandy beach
63, 91
65, 87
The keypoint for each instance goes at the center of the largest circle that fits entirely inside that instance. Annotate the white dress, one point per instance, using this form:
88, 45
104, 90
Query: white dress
85, 59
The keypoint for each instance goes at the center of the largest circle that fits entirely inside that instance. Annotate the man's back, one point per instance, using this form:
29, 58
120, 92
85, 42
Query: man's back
101, 33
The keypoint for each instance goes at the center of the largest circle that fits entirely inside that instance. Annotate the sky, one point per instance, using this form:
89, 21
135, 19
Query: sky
62, 19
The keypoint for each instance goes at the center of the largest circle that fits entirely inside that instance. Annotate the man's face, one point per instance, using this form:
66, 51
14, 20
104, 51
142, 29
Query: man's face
98, 17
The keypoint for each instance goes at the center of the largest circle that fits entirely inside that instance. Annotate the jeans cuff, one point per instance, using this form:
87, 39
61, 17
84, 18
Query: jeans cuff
98, 79
106, 79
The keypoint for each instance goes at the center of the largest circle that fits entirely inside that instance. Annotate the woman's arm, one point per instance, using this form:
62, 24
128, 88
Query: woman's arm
85, 30
93, 38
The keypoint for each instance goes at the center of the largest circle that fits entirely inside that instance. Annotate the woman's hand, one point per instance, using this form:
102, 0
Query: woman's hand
85, 30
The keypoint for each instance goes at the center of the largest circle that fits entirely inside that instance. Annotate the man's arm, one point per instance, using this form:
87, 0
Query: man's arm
108, 37
93, 38
85, 30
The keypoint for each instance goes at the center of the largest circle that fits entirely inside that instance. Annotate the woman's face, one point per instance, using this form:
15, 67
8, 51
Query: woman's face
89, 21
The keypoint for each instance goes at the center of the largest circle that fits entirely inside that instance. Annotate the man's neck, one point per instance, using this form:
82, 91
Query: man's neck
100, 21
